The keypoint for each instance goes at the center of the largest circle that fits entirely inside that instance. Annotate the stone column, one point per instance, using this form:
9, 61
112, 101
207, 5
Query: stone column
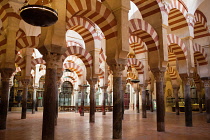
123, 94
175, 90
34, 101
200, 101
159, 76
109, 94
207, 97
104, 95
137, 97
6, 73
151, 102
187, 99
25, 83
144, 105
117, 100
50, 93
82, 89
76, 100
57, 94
92, 99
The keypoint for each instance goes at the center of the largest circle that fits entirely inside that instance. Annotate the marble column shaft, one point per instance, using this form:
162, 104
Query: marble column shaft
34, 101
92, 100
175, 90
104, 92
117, 100
5, 77
207, 98
159, 75
151, 102
200, 101
144, 106
82, 89
187, 99
137, 99
50, 93
123, 94
25, 83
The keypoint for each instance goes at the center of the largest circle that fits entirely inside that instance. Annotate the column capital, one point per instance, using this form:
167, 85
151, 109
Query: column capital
52, 60
159, 75
143, 86
186, 79
92, 82
206, 81
117, 69
6, 73
176, 87
104, 87
25, 82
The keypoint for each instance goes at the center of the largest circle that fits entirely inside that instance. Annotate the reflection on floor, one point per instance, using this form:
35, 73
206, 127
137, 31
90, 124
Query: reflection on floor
71, 126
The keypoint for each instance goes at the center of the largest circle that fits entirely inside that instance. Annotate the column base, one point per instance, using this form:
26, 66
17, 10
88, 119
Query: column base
160, 126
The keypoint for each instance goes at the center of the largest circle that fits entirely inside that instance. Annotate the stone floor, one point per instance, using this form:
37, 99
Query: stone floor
71, 126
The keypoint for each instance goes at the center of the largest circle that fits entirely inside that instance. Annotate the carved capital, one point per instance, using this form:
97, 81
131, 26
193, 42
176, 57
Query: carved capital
186, 80
25, 82
143, 86
92, 82
6, 73
117, 69
206, 83
52, 60
159, 75
104, 87
175, 87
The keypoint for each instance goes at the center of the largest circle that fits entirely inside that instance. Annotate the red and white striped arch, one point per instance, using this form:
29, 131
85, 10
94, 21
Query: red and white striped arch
71, 75
131, 75
102, 56
137, 44
196, 78
200, 54
34, 62
74, 43
137, 64
84, 27
147, 7
177, 46
20, 33
3, 44
84, 55
5, 12
200, 25
171, 57
96, 12
74, 67
146, 32
101, 74
26, 42
21, 62
64, 79
177, 15
172, 73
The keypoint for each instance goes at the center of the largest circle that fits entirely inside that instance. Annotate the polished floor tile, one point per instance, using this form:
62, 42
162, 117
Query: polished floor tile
71, 126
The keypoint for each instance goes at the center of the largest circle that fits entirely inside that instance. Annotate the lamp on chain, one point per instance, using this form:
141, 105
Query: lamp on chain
38, 15
135, 80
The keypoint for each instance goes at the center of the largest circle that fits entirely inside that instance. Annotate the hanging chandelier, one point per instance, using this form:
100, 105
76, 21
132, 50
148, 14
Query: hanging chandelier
135, 80
38, 15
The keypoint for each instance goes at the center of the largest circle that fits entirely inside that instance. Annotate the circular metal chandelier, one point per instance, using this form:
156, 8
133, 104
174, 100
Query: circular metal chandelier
38, 15
135, 80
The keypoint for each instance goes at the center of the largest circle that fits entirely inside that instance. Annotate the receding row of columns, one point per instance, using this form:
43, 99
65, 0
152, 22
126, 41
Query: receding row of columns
51, 95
